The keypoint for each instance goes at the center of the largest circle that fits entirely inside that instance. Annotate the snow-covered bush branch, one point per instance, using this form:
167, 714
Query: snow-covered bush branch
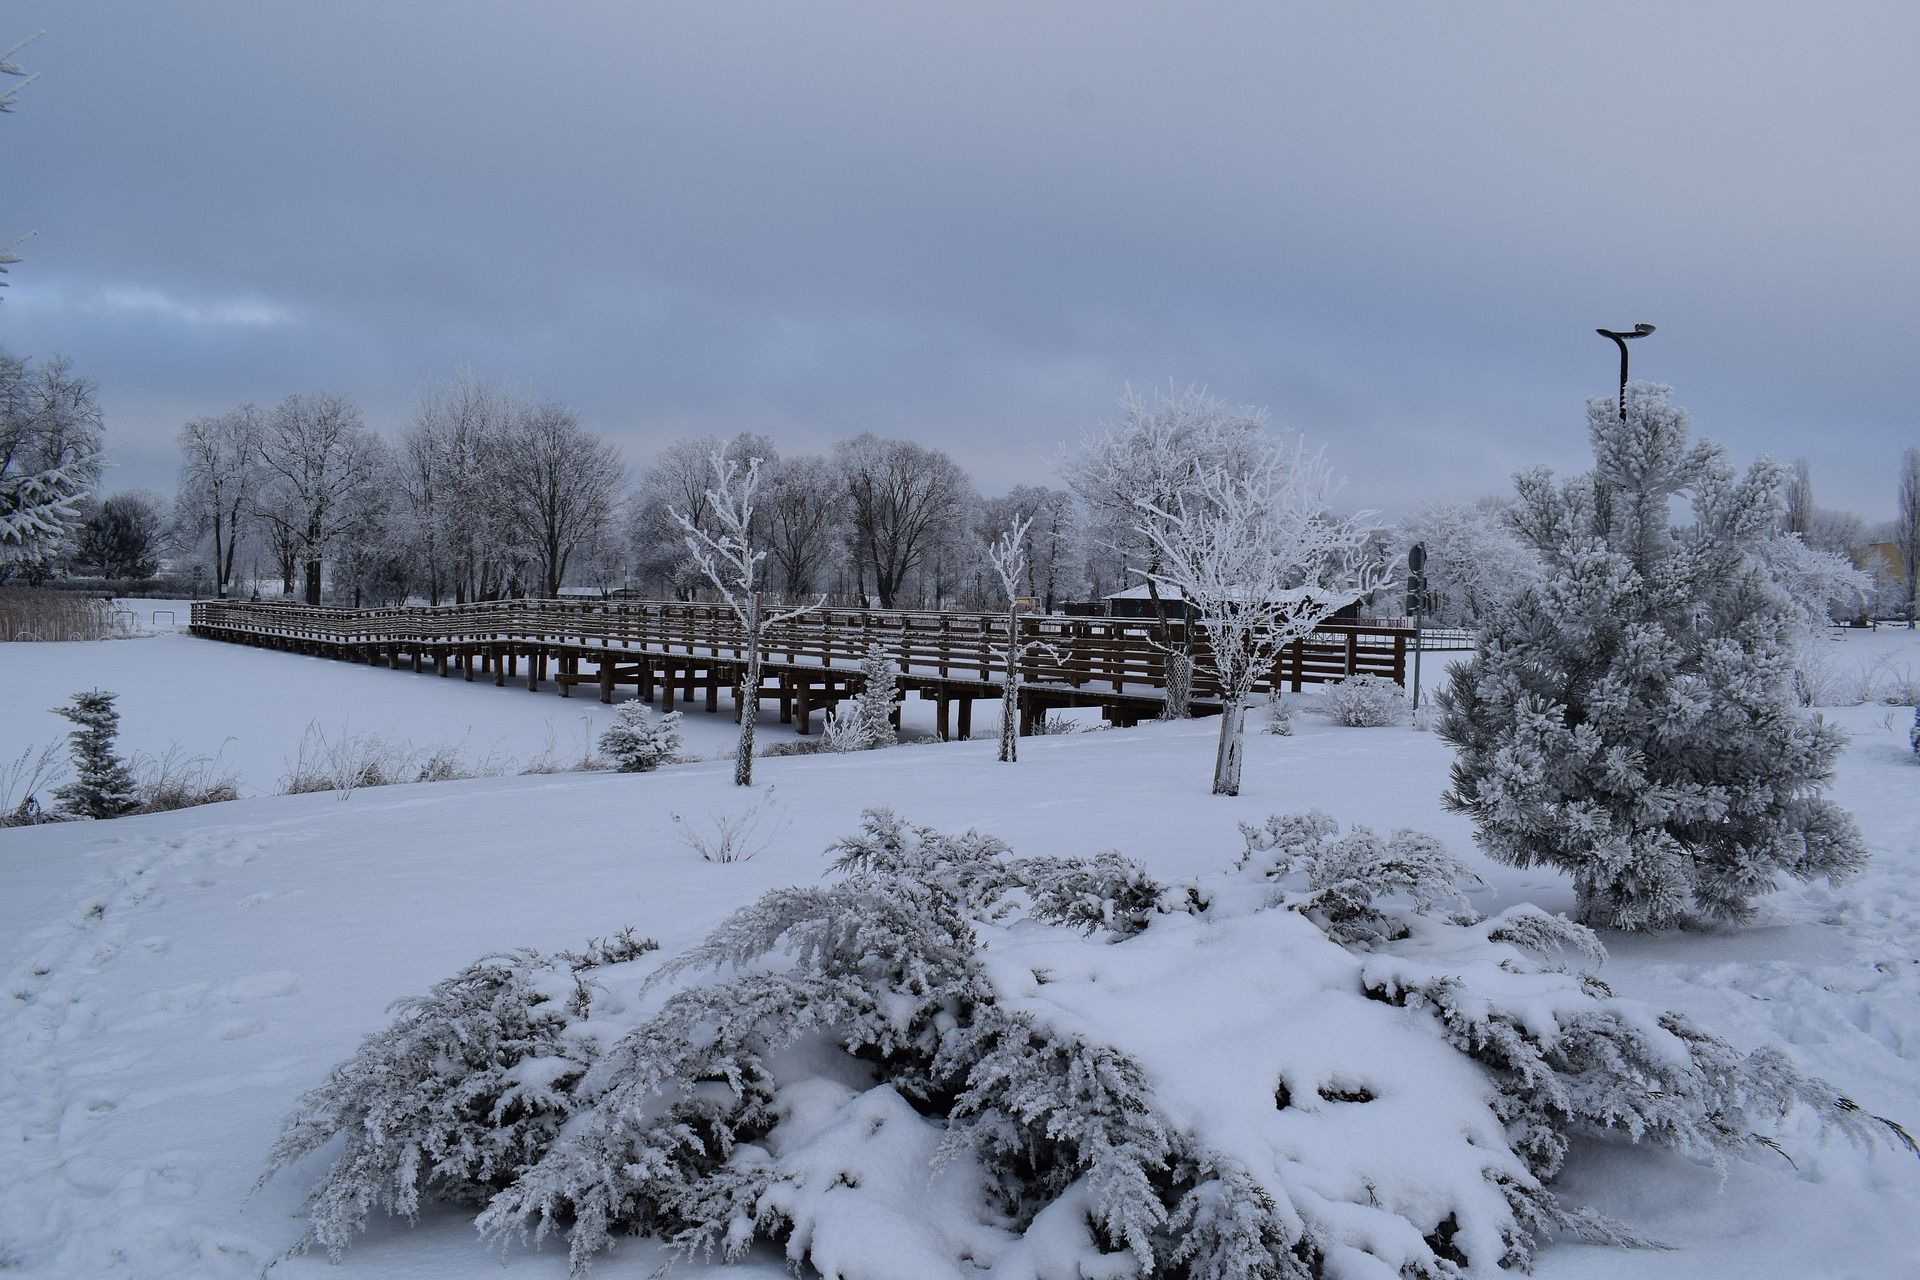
1364, 702
954, 1057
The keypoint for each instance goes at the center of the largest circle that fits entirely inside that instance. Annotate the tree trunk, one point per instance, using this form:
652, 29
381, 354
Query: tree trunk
1010, 693
749, 696
1179, 685
1226, 763
313, 582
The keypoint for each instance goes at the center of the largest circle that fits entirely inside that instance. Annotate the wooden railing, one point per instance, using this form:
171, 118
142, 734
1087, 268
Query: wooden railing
1118, 654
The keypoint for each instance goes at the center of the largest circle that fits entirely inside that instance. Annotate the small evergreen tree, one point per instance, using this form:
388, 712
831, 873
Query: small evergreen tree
1630, 718
103, 786
638, 741
871, 722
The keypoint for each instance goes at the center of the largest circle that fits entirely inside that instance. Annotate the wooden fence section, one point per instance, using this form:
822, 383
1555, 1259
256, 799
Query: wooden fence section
811, 661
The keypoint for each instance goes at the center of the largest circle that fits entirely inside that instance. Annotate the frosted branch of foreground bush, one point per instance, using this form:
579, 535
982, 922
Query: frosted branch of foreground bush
952, 1058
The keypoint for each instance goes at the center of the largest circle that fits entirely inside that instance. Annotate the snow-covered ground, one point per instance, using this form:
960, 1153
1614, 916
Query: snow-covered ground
247, 710
174, 983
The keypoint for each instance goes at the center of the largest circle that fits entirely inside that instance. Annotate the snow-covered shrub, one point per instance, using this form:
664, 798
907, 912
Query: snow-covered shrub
345, 763
926, 1063
638, 741
174, 780
442, 763
21, 782
103, 786
1913, 733
795, 747
733, 839
454, 1100
865, 721
1631, 719
1344, 885
1364, 702
843, 729
1279, 715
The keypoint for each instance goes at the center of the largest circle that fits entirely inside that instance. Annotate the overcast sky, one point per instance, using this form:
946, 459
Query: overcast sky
975, 224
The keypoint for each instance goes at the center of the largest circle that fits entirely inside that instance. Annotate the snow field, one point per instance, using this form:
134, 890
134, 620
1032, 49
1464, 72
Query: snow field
247, 710
173, 983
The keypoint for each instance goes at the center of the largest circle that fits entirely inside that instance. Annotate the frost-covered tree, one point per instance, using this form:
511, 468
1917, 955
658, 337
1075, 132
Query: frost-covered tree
9, 94
1007, 556
558, 484
904, 503
219, 472
1260, 557
638, 741
1630, 719
1474, 559
806, 524
1906, 536
865, 721
1818, 584
103, 786
1149, 460
50, 453
319, 459
729, 555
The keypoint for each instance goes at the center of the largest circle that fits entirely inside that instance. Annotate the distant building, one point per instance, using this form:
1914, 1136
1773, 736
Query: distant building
1137, 602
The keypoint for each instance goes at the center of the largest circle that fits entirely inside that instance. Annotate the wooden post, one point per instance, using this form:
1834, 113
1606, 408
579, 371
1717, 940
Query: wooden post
536, 659
713, 687
499, 660
646, 679
942, 704
966, 716
1353, 652
606, 677
666, 690
786, 698
803, 706
1299, 658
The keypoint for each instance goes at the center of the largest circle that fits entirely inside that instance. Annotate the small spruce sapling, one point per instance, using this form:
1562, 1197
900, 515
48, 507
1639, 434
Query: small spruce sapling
639, 741
866, 722
103, 786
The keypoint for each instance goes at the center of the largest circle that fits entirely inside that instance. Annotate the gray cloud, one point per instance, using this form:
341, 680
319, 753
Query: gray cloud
974, 224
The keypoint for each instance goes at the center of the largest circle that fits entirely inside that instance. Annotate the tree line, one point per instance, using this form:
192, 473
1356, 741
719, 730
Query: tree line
485, 494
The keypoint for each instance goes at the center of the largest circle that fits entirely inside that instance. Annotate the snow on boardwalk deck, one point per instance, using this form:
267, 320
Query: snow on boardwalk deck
683, 650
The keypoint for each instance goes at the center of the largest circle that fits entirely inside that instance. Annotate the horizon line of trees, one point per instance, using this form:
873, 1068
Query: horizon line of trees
486, 494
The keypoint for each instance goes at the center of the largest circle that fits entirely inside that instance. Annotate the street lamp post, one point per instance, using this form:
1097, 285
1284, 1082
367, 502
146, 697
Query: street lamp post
1620, 340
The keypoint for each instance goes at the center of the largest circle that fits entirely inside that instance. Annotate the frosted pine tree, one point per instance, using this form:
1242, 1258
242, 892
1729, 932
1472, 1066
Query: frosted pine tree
875, 703
638, 741
103, 786
1630, 718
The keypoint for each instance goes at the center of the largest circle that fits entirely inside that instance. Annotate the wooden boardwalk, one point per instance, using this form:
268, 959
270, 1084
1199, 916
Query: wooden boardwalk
678, 653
